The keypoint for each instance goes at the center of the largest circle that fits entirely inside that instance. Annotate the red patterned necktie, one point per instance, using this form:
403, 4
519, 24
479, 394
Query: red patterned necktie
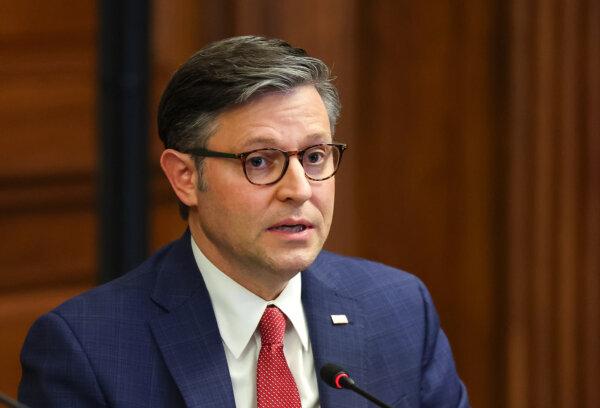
275, 386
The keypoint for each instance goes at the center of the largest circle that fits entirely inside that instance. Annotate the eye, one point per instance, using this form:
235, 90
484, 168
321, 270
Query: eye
263, 160
315, 156
257, 161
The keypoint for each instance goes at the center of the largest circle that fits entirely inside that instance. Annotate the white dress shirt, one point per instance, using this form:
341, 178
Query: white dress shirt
238, 312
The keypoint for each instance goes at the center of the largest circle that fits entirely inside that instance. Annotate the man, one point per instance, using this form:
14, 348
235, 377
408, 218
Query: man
246, 308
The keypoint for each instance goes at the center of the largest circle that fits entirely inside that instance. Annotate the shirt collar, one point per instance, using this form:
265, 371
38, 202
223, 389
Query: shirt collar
238, 311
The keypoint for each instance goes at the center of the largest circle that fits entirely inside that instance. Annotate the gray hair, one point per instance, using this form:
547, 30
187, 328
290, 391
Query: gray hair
229, 73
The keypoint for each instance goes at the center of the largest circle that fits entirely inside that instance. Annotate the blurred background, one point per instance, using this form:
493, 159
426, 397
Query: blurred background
474, 163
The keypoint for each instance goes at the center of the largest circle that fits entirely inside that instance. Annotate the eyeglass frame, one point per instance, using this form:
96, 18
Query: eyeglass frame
202, 152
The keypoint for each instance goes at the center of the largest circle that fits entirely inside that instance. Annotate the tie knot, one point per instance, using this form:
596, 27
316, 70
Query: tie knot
272, 326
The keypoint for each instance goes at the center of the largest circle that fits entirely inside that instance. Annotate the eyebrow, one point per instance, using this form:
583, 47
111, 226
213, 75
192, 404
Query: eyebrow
267, 141
259, 140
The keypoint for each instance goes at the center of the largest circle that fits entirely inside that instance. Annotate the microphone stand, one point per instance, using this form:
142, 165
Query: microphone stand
349, 384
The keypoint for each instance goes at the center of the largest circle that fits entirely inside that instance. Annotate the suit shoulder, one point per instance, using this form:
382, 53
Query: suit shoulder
364, 276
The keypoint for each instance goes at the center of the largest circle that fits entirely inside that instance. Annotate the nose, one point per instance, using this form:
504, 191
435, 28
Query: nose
294, 185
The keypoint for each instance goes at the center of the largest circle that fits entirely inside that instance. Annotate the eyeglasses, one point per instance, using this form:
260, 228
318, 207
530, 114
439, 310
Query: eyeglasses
268, 165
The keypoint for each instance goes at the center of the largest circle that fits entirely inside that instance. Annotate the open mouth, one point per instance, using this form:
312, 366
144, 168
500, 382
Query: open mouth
289, 228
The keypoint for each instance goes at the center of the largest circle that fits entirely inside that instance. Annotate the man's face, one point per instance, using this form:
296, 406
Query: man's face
239, 226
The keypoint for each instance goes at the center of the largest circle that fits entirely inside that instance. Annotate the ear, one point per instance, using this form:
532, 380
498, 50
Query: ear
181, 171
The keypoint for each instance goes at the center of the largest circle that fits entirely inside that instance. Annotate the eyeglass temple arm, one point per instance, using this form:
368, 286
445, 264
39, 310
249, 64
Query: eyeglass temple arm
210, 153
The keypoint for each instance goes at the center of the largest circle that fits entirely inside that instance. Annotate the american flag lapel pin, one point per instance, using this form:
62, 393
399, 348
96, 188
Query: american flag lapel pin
339, 319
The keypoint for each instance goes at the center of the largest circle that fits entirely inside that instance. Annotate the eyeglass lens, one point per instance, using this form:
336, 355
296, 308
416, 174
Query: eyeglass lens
267, 165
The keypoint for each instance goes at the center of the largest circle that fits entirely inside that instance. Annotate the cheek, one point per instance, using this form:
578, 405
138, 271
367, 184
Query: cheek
229, 204
324, 198
239, 206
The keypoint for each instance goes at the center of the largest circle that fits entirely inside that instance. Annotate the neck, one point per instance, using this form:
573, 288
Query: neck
260, 280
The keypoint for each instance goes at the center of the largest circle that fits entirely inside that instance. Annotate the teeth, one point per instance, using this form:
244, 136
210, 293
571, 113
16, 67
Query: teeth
291, 228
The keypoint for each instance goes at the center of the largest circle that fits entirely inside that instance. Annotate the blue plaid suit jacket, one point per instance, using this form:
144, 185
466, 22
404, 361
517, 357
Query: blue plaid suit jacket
150, 339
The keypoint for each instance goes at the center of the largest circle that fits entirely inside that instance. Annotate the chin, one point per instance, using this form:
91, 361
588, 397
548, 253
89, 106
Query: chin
292, 263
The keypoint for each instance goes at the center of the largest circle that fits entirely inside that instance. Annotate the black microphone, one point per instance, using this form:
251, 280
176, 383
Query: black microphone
9, 402
336, 377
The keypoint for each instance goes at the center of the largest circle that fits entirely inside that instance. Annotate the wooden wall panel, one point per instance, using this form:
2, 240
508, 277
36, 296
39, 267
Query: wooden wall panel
553, 227
425, 189
48, 88
589, 287
47, 248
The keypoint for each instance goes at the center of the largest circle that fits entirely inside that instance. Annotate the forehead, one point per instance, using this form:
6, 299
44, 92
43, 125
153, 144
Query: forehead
293, 117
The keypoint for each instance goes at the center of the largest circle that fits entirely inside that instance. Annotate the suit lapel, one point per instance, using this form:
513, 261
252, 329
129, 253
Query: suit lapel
338, 344
188, 336
189, 339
